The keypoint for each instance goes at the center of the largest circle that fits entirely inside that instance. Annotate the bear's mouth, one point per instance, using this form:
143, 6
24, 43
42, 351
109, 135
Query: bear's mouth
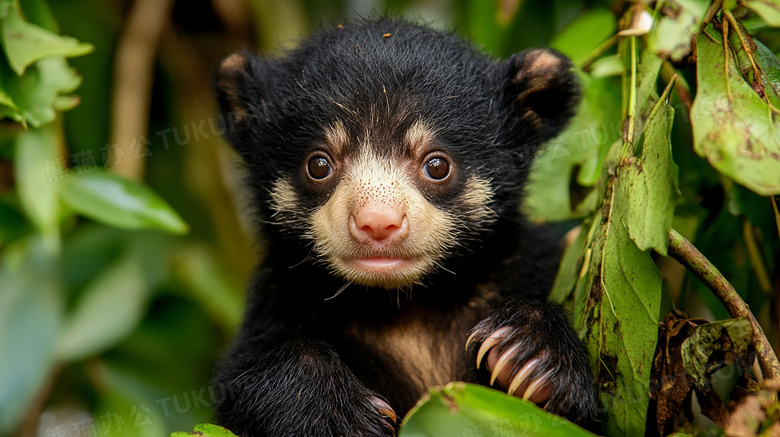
381, 264
383, 270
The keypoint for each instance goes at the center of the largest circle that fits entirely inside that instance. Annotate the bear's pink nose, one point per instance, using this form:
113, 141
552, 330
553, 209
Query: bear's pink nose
378, 223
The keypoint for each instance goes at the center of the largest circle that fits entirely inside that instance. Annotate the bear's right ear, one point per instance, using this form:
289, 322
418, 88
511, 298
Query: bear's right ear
240, 85
542, 93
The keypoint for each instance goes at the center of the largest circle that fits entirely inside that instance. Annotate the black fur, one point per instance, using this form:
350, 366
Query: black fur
302, 365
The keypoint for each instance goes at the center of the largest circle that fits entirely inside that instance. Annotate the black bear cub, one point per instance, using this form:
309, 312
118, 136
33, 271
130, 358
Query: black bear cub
386, 163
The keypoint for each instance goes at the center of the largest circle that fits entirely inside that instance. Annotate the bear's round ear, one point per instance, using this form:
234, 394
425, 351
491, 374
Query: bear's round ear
240, 84
231, 82
542, 93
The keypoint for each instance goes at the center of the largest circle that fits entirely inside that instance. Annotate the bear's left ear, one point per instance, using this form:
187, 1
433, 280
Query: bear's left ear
541, 92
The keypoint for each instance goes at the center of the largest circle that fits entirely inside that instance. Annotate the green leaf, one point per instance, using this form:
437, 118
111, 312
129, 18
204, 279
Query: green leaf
616, 308
38, 169
36, 93
681, 20
585, 34
120, 202
25, 43
30, 321
461, 409
620, 325
650, 181
714, 343
732, 126
206, 430
108, 310
768, 10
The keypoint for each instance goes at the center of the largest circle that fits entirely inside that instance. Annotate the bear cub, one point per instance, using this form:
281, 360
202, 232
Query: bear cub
386, 164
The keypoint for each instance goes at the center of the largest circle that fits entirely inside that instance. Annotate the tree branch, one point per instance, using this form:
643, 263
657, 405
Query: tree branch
686, 253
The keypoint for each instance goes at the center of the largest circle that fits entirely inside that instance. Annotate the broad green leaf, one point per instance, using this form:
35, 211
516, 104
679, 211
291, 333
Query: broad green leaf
769, 10
650, 182
713, 343
107, 311
677, 23
206, 430
36, 93
732, 126
30, 321
38, 169
120, 202
461, 409
585, 33
25, 43
620, 326
616, 308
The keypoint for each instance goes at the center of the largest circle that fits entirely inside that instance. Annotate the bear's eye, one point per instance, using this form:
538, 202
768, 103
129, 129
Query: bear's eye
319, 168
437, 168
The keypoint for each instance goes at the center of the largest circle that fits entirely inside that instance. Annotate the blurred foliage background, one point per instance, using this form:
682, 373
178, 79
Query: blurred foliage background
125, 242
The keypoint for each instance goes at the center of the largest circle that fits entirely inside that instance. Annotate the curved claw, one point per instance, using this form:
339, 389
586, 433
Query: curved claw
470, 339
520, 376
385, 409
535, 385
490, 342
502, 362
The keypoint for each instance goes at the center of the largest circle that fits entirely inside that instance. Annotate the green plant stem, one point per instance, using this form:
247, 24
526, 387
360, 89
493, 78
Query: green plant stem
632, 95
595, 54
689, 256
725, 31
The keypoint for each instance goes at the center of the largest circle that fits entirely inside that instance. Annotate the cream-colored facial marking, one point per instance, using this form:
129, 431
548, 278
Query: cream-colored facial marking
336, 137
284, 204
419, 136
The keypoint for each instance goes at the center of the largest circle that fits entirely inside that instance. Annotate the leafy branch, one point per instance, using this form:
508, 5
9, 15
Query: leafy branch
688, 255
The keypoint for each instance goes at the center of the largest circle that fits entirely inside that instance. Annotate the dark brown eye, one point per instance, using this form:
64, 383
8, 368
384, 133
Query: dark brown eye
437, 168
319, 168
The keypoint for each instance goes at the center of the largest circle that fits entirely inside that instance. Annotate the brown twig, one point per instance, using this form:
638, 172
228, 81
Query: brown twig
686, 253
711, 12
133, 75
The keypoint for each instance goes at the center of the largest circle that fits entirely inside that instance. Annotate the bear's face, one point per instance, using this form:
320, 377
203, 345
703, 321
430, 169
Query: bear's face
383, 216
383, 150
